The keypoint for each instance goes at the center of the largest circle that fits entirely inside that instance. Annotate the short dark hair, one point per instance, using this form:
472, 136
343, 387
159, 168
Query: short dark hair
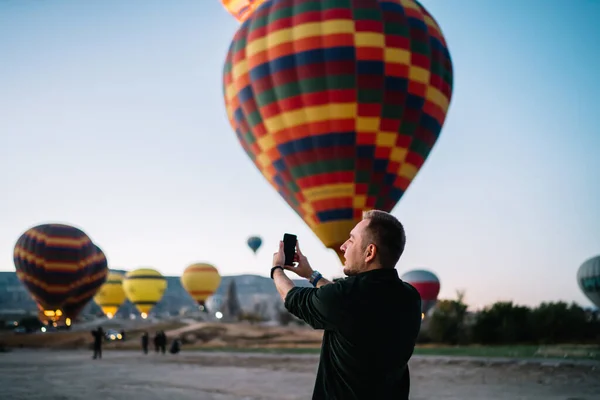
387, 233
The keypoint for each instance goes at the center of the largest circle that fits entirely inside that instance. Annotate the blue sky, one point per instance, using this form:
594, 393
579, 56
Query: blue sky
112, 119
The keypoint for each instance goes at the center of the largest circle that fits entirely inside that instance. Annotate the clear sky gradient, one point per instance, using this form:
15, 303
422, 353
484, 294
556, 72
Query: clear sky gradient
112, 119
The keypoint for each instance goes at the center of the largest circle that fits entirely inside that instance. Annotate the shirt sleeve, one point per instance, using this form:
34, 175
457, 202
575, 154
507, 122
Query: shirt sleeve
320, 308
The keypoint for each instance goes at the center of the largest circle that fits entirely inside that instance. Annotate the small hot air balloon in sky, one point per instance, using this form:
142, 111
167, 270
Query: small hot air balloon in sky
50, 261
427, 284
241, 9
338, 104
588, 279
111, 295
201, 280
254, 242
88, 287
144, 287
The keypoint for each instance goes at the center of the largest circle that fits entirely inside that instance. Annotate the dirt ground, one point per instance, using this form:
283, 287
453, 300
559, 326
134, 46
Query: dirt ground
36, 374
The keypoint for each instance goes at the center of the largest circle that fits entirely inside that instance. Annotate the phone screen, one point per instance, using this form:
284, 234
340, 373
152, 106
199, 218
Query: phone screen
289, 248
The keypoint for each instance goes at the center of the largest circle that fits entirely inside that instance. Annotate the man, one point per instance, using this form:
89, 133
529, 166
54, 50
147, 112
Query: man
162, 343
145, 340
98, 335
371, 318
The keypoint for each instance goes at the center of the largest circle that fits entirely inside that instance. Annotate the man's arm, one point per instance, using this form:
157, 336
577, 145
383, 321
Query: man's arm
321, 308
322, 282
285, 284
282, 283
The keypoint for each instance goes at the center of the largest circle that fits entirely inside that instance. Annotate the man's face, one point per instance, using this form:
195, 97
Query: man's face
354, 249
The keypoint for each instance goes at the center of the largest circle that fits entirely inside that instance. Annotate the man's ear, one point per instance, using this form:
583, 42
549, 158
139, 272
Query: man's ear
370, 252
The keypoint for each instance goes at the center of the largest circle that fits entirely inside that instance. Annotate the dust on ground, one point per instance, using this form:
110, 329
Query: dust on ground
36, 374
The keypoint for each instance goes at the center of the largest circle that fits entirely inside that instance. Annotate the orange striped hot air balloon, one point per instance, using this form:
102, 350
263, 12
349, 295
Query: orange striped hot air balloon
338, 103
201, 280
241, 9
52, 260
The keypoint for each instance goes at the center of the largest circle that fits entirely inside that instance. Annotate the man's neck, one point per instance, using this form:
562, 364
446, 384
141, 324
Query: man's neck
372, 267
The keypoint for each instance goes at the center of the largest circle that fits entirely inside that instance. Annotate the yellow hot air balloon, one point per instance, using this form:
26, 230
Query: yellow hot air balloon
144, 287
201, 281
111, 294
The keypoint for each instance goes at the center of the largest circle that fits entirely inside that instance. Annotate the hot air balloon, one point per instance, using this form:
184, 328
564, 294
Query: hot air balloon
51, 260
88, 286
241, 9
111, 295
254, 242
201, 281
144, 288
427, 284
338, 104
588, 278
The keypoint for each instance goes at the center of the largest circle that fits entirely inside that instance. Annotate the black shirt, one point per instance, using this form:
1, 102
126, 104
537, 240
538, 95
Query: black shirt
371, 323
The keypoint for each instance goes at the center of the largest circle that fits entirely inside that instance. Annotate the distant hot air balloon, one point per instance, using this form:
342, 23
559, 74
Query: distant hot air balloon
254, 243
241, 9
427, 284
338, 104
588, 278
144, 288
201, 281
88, 287
51, 260
111, 295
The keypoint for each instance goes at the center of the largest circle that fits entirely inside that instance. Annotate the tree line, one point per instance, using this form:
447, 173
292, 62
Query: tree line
506, 323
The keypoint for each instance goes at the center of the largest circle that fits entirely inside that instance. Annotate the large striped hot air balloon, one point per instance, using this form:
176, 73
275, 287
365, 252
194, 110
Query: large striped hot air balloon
144, 288
111, 295
588, 279
52, 260
201, 280
254, 242
338, 103
241, 9
427, 284
87, 287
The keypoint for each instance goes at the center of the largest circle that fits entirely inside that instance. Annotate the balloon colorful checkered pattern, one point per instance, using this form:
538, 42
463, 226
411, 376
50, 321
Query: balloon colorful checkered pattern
338, 102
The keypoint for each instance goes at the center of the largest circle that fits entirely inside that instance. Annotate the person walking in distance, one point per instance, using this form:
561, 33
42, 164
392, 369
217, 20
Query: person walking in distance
98, 335
162, 343
157, 341
371, 318
145, 340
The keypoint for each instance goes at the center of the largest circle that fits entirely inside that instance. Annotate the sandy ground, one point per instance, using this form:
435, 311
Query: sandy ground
37, 374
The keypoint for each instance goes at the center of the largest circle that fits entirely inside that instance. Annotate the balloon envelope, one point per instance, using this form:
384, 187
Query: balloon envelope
241, 9
588, 279
338, 104
111, 295
201, 280
88, 287
51, 260
254, 242
427, 284
144, 287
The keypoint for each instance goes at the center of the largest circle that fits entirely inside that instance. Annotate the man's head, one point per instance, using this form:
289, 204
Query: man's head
375, 242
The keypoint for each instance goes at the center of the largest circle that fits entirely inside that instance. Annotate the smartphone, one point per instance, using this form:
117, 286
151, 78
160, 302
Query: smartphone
289, 248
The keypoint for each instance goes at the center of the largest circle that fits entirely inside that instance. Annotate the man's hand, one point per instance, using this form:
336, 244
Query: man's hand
283, 284
303, 269
279, 256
